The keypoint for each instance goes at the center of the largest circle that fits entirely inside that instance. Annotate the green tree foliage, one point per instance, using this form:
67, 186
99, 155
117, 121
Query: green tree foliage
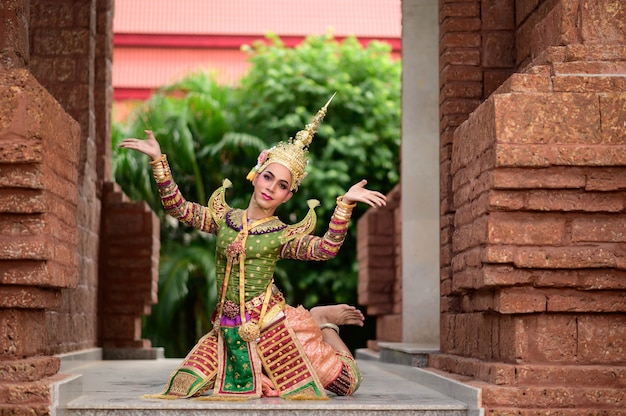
359, 138
194, 125
212, 132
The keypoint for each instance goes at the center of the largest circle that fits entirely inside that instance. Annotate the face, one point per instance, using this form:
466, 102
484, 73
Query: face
271, 187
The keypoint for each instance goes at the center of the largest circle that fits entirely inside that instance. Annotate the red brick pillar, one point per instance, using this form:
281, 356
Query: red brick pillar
103, 91
129, 273
38, 197
538, 177
62, 58
477, 44
380, 277
38, 234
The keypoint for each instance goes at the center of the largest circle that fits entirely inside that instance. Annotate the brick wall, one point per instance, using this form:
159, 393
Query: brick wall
62, 40
39, 199
477, 53
533, 286
55, 89
380, 274
38, 234
129, 269
103, 91
536, 198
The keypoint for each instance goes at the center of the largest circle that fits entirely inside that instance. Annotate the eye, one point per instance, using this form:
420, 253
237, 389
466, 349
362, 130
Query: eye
266, 176
283, 186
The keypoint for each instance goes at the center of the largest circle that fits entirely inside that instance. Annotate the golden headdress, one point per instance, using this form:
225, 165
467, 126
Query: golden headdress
292, 154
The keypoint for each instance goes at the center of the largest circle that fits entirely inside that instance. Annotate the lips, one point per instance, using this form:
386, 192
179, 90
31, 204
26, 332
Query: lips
266, 196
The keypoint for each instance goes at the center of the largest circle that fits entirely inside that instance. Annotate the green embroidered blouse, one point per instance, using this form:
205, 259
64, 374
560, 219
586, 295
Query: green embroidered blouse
265, 243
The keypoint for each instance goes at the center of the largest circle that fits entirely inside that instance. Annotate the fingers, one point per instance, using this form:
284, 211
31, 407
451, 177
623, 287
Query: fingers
137, 144
130, 143
358, 192
360, 184
127, 143
375, 199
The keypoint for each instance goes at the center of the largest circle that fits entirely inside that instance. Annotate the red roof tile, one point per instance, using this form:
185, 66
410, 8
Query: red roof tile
158, 41
361, 18
152, 67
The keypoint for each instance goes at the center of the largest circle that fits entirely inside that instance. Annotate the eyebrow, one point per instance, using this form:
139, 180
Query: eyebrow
280, 180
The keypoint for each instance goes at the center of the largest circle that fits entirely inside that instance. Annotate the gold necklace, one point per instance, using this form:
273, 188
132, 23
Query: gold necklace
248, 330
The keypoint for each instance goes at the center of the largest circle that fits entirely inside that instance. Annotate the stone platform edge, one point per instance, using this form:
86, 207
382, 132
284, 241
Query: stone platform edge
411, 360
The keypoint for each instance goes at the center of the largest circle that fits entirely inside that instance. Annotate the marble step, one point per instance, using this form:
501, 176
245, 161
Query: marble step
111, 388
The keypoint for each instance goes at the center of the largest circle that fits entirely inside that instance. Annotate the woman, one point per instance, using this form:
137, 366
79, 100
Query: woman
258, 344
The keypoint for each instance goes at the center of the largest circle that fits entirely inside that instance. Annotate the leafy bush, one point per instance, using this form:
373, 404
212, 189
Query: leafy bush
212, 132
359, 138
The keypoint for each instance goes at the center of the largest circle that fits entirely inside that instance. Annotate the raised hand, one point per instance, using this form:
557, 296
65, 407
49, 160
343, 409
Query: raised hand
149, 146
359, 193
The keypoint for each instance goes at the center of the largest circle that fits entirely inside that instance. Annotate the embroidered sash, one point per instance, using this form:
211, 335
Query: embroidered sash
239, 369
286, 364
196, 374
233, 368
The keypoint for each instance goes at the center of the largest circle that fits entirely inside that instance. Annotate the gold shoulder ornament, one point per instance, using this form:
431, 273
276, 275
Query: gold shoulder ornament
306, 226
217, 202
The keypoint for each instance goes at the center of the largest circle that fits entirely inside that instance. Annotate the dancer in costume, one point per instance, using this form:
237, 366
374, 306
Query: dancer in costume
259, 345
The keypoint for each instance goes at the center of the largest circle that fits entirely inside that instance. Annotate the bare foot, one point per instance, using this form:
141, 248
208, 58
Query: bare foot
341, 314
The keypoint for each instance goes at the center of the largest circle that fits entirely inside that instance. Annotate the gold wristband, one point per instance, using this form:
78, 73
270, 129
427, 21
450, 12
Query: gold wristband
343, 211
342, 204
161, 169
340, 215
159, 160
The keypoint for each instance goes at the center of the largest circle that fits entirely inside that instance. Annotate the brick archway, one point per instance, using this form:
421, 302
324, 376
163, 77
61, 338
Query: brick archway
531, 127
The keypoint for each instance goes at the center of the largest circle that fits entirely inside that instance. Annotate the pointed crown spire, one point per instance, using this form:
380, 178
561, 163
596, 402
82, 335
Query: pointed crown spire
292, 154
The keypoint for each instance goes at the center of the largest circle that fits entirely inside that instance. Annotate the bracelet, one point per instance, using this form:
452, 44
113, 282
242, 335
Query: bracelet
161, 169
343, 211
155, 161
330, 326
342, 215
342, 204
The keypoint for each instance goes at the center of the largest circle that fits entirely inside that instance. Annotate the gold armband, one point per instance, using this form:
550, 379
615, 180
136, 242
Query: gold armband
161, 169
341, 203
343, 211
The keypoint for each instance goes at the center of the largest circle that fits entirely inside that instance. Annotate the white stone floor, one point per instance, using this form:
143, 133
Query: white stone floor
104, 387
